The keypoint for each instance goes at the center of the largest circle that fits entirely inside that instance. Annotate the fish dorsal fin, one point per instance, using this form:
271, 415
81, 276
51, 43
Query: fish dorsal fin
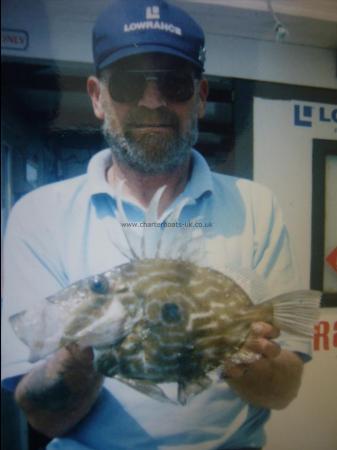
186, 242
130, 236
151, 233
161, 240
152, 211
171, 218
189, 245
175, 213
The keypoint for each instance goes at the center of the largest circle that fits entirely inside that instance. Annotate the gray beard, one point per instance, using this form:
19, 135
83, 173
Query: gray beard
151, 154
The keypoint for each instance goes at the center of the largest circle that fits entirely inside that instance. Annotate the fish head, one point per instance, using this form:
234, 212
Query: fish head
93, 311
95, 292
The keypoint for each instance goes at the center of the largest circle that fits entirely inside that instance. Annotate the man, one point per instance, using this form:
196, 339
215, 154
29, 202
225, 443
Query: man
149, 94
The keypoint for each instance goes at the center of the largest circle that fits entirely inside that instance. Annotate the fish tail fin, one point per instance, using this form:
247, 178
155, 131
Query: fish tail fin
296, 312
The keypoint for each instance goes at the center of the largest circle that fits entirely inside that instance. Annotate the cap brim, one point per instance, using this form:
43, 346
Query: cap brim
142, 50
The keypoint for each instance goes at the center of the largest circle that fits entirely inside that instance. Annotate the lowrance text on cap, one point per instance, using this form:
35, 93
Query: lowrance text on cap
133, 27
152, 22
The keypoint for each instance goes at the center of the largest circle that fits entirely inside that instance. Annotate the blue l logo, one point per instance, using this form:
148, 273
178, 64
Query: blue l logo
303, 116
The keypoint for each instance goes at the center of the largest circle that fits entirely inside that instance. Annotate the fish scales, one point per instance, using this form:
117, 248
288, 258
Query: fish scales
181, 323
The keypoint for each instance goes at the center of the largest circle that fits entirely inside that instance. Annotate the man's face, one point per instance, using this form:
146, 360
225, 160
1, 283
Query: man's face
152, 134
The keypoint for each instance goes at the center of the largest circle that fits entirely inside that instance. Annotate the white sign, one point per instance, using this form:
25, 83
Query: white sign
14, 39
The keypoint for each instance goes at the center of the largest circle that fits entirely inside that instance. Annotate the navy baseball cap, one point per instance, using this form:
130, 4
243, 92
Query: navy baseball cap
135, 27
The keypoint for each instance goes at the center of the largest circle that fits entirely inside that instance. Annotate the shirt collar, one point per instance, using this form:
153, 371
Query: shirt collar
200, 180
199, 183
96, 172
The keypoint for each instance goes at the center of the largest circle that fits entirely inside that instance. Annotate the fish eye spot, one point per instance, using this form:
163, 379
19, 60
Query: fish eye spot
99, 285
171, 313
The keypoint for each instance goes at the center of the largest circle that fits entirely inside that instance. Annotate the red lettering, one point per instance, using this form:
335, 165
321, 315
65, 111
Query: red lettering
321, 336
334, 341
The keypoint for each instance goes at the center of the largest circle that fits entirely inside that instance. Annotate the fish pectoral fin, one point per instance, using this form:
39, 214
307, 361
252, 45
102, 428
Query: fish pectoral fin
189, 389
148, 388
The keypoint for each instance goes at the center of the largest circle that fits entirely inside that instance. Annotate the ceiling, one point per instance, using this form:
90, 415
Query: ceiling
314, 9
308, 22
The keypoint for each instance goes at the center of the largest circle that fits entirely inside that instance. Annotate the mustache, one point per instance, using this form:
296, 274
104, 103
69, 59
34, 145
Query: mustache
144, 116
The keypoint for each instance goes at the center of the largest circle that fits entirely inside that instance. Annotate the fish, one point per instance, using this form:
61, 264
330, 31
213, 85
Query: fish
157, 319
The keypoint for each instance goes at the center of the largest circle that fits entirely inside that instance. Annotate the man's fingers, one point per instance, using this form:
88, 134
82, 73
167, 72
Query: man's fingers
260, 340
234, 370
263, 329
264, 347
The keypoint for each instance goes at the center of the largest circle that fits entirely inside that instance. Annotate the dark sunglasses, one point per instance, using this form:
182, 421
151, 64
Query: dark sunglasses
128, 86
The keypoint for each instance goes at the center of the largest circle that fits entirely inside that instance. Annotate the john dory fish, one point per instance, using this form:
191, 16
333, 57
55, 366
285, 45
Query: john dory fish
155, 320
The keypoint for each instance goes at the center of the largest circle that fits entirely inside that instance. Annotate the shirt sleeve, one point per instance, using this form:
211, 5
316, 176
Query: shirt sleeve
32, 271
274, 261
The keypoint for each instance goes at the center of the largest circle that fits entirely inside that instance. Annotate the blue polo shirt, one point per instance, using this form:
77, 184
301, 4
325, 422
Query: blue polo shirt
66, 231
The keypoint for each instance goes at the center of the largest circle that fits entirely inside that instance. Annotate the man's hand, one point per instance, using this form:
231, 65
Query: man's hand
57, 394
271, 376
258, 345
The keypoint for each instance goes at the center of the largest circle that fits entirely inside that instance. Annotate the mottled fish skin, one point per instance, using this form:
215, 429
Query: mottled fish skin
153, 321
160, 318
187, 320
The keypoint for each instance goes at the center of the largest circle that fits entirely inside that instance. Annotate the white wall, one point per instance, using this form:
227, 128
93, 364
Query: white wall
271, 61
283, 162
